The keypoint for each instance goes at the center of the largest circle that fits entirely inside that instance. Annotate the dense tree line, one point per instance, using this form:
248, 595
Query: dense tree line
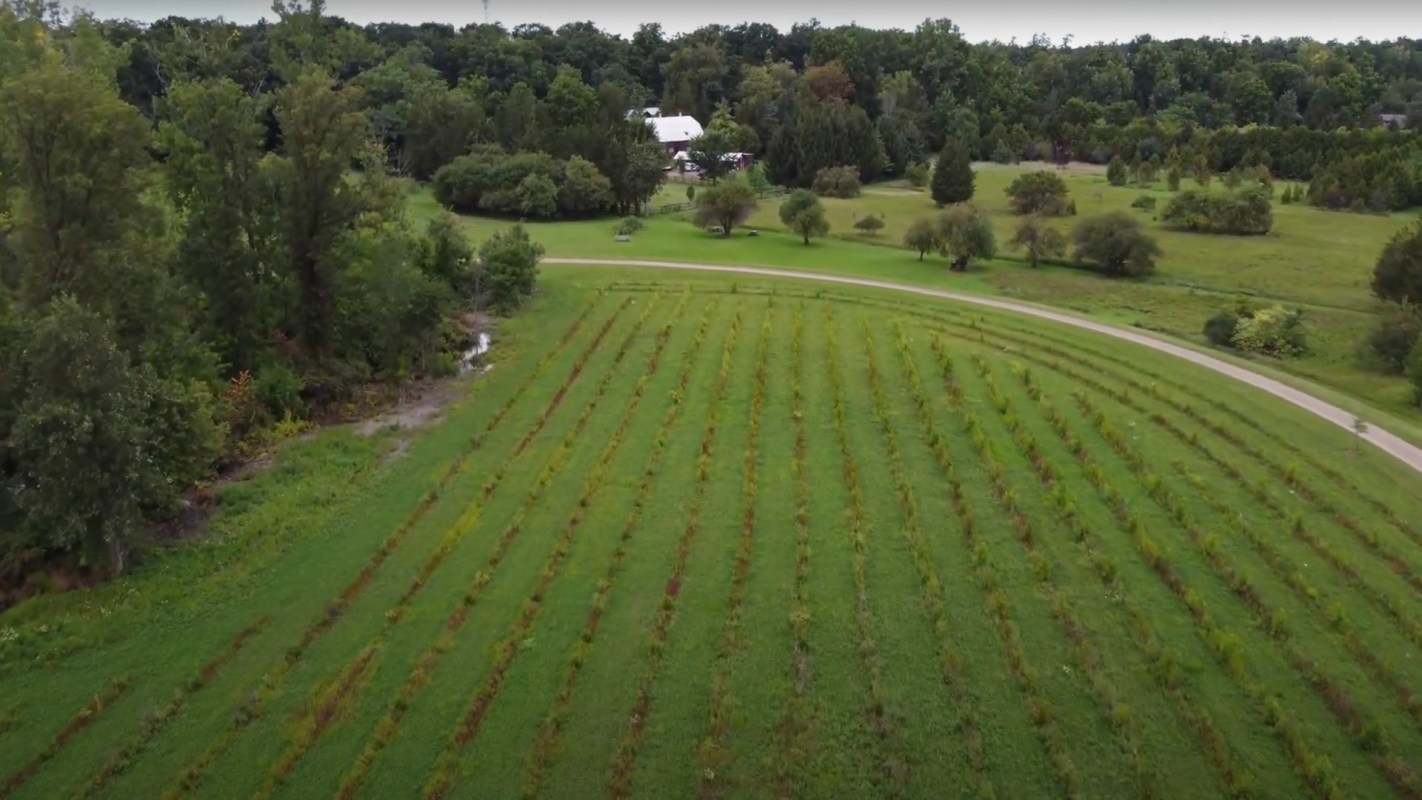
815, 96
172, 282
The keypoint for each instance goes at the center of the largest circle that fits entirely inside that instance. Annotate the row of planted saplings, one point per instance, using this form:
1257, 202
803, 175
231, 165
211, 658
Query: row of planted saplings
624, 763
712, 755
551, 728
506, 651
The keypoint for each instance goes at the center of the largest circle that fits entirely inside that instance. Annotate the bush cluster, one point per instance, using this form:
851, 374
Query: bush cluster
1245, 212
837, 182
534, 185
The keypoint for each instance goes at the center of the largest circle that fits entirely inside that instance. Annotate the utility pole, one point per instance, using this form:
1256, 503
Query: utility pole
486, 12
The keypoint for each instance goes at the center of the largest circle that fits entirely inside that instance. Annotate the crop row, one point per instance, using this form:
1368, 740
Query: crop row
258, 698
550, 729
1118, 715
1334, 477
507, 650
1041, 339
895, 766
1000, 607
795, 731
420, 675
82, 719
1313, 768
968, 721
620, 777
1376, 596
155, 720
1366, 731
713, 755
1289, 574
1164, 662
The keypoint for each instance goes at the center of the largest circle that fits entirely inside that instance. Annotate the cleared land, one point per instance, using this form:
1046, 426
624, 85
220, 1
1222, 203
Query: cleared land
1318, 260
756, 539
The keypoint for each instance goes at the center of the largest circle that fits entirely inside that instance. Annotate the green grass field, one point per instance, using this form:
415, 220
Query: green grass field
757, 539
1317, 260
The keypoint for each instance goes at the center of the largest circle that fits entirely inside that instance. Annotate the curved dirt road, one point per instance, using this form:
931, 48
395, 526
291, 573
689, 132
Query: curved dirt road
1398, 448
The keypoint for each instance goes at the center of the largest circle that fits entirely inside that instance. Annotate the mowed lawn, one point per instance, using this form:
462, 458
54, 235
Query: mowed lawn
1317, 260
697, 537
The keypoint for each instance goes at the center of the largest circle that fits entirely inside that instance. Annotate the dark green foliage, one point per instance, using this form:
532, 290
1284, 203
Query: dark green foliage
1116, 172
534, 185
508, 268
1398, 274
824, 135
1219, 329
1383, 179
1144, 202
628, 226
837, 182
1244, 212
1115, 244
953, 179
1414, 372
916, 174
1393, 337
870, 226
804, 215
1043, 192
725, 205
1172, 179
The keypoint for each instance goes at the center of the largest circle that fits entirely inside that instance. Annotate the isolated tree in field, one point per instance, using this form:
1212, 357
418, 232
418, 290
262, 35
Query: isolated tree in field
1116, 171
727, 204
922, 236
1398, 273
964, 233
1042, 192
1172, 179
1038, 240
1116, 243
508, 268
870, 225
803, 214
953, 177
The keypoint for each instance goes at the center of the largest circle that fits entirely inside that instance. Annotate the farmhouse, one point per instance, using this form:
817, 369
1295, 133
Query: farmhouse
1395, 121
675, 133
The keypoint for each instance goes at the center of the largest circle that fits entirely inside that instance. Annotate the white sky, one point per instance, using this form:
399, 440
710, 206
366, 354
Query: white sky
1088, 21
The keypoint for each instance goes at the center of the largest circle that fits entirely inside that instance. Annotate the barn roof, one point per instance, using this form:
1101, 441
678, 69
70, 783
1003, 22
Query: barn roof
675, 129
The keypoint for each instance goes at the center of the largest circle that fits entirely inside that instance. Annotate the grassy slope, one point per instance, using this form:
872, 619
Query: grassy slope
1319, 260
1077, 661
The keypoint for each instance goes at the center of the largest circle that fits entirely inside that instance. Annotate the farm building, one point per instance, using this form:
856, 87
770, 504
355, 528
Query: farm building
675, 133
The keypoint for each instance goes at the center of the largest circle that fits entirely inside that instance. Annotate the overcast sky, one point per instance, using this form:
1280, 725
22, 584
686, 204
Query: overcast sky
1085, 20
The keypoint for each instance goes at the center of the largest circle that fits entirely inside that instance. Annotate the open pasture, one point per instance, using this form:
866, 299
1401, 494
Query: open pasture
753, 539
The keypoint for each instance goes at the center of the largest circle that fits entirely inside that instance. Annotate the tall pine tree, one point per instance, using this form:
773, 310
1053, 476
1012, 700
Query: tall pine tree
953, 175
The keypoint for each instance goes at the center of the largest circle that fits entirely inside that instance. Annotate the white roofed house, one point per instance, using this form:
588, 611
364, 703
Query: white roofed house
675, 133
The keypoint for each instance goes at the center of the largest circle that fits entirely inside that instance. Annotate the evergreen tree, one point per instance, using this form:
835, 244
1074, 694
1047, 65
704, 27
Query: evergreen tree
953, 177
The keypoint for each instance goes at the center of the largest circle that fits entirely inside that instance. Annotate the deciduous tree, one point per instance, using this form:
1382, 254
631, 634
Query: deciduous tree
1116, 243
803, 214
1038, 240
726, 205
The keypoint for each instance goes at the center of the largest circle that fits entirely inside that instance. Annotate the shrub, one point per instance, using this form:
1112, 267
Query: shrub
870, 225
1274, 331
1414, 372
755, 176
1042, 192
1246, 212
1172, 179
1116, 172
628, 226
1220, 329
278, 388
917, 175
837, 182
1116, 244
1145, 202
1004, 154
509, 264
1394, 337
